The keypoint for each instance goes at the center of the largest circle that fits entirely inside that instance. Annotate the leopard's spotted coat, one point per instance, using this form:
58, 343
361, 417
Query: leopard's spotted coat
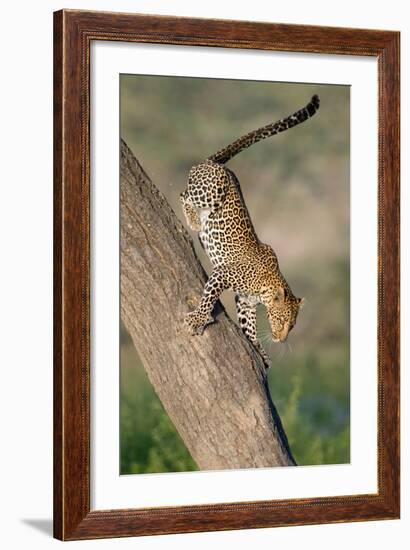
214, 207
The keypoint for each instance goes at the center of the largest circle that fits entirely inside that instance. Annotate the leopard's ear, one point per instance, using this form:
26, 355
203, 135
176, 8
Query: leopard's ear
279, 295
301, 302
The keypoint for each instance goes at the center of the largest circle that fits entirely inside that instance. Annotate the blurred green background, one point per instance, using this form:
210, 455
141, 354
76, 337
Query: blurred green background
296, 187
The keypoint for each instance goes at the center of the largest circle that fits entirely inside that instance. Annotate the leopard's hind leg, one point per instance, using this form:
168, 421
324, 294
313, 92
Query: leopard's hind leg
206, 190
190, 212
246, 311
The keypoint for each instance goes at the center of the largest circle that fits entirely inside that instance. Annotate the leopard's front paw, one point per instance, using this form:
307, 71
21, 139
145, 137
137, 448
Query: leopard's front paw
195, 322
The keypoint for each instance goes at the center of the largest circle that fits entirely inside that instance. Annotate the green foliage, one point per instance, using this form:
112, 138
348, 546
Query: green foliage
315, 418
149, 441
312, 398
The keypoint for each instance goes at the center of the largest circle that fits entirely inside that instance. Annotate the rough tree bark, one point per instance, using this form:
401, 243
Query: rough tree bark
213, 386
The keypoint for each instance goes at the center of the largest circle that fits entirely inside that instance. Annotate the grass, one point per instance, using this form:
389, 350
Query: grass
310, 393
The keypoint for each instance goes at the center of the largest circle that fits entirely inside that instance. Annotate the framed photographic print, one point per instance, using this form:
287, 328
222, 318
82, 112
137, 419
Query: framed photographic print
226, 335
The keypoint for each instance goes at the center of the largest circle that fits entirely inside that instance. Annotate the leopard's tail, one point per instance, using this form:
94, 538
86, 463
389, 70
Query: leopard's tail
269, 130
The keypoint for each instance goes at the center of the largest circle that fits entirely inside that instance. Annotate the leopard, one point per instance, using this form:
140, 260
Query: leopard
214, 208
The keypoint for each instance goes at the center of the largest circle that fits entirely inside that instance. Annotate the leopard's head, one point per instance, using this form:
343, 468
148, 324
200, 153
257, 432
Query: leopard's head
282, 309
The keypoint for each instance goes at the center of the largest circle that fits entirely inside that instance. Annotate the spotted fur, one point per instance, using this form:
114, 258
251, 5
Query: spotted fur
214, 207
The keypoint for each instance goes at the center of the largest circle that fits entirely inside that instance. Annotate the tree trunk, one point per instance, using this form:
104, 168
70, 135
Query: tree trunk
214, 386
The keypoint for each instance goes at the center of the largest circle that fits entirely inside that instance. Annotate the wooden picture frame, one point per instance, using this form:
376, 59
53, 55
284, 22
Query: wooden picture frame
74, 32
